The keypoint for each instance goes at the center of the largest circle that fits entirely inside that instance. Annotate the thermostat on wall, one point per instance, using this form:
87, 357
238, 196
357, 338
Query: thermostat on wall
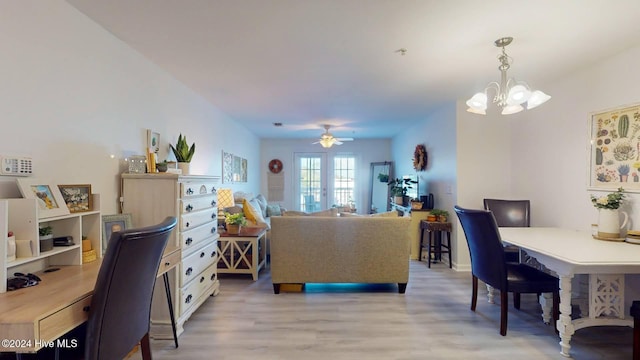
16, 166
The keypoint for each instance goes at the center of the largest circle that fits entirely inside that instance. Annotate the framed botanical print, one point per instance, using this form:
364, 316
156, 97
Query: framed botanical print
614, 142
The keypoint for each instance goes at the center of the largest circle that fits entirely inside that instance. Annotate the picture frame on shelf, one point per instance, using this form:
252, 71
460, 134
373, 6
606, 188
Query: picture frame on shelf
614, 149
111, 224
153, 141
48, 196
77, 197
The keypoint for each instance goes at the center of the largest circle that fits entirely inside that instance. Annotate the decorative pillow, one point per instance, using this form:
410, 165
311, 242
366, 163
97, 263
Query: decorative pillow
274, 210
239, 196
253, 213
262, 201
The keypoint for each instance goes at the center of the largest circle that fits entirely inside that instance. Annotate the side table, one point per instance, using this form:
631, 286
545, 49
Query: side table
434, 244
244, 253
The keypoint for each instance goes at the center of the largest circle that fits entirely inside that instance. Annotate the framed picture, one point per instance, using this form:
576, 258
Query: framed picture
614, 155
111, 224
153, 141
50, 200
77, 197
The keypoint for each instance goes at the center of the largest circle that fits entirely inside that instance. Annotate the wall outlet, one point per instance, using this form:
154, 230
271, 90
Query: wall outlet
16, 166
449, 189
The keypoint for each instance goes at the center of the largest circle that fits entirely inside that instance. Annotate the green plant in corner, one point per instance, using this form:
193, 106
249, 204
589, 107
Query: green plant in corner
182, 151
439, 212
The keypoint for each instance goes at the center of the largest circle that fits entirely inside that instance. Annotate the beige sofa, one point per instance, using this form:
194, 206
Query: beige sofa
306, 249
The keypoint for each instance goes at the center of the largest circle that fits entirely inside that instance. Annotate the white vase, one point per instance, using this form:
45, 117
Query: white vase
609, 223
184, 166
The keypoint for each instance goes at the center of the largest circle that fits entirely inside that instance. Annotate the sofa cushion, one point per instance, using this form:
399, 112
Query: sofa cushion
323, 213
262, 201
273, 210
253, 213
382, 214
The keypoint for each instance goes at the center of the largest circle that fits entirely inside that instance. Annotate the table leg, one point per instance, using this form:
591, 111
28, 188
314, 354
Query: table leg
254, 258
167, 290
546, 301
564, 325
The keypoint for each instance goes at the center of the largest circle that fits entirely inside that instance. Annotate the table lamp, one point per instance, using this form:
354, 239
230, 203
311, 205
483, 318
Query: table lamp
225, 200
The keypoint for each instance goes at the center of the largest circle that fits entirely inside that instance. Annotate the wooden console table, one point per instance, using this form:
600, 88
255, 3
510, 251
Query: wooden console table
244, 253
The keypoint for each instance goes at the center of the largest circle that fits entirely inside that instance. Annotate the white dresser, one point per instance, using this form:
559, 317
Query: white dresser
149, 198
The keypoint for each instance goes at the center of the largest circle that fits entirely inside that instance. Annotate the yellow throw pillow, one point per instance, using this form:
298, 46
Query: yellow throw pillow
253, 212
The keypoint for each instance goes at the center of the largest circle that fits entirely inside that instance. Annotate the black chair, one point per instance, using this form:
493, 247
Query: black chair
510, 213
488, 264
635, 312
119, 317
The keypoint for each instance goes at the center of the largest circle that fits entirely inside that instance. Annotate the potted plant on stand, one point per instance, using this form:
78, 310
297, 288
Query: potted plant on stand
441, 215
183, 153
234, 222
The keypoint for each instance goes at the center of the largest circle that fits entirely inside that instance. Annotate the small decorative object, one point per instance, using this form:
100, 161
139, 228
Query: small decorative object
153, 140
183, 153
46, 238
275, 166
111, 224
11, 246
88, 252
162, 166
441, 215
77, 197
633, 237
420, 158
432, 217
137, 164
416, 204
384, 178
50, 200
609, 215
234, 222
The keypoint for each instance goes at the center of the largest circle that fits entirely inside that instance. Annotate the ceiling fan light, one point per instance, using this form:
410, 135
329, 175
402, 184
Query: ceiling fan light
518, 94
478, 101
327, 142
512, 109
537, 98
477, 111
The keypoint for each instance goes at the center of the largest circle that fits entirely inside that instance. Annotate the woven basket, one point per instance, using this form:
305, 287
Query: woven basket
89, 256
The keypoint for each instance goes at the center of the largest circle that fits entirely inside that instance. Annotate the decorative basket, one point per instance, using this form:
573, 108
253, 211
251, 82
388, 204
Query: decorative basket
89, 256
416, 205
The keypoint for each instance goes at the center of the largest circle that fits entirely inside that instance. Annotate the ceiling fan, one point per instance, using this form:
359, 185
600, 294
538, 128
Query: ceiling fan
327, 140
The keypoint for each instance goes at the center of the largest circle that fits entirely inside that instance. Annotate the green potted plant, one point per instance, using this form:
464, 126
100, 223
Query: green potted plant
46, 238
441, 215
234, 222
162, 166
183, 153
399, 187
383, 177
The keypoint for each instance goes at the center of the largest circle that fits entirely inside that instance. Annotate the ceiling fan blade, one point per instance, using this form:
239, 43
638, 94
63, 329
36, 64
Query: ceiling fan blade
337, 142
317, 142
344, 139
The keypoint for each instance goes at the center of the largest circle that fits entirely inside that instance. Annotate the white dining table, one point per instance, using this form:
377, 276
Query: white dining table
570, 252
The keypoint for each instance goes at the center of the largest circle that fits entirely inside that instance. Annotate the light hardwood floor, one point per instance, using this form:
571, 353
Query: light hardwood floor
431, 321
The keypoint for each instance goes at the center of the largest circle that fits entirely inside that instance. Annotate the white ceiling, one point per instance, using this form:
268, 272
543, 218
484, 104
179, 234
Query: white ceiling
309, 62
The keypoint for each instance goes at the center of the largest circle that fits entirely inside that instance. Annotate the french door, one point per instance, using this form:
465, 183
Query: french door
310, 181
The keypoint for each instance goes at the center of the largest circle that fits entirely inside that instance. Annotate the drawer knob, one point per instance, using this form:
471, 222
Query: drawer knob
214, 190
187, 224
213, 216
213, 253
188, 241
86, 308
189, 271
213, 276
167, 263
213, 230
202, 254
202, 279
188, 299
189, 191
188, 208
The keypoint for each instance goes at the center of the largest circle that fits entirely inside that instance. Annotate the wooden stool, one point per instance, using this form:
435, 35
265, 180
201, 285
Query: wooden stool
635, 312
435, 245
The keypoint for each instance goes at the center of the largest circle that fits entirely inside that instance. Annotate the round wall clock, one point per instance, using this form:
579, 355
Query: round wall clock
275, 166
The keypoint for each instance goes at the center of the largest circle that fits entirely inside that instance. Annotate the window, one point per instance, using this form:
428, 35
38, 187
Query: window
343, 179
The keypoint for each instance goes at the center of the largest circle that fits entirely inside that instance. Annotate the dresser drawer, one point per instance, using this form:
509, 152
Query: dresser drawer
169, 261
195, 263
198, 287
193, 238
58, 323
189, 205
188, 189
195, 219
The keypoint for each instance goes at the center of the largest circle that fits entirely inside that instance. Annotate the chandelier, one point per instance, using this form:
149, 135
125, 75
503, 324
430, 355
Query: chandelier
510, 94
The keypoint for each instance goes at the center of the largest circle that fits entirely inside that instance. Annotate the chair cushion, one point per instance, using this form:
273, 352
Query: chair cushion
525, 279
635, 309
